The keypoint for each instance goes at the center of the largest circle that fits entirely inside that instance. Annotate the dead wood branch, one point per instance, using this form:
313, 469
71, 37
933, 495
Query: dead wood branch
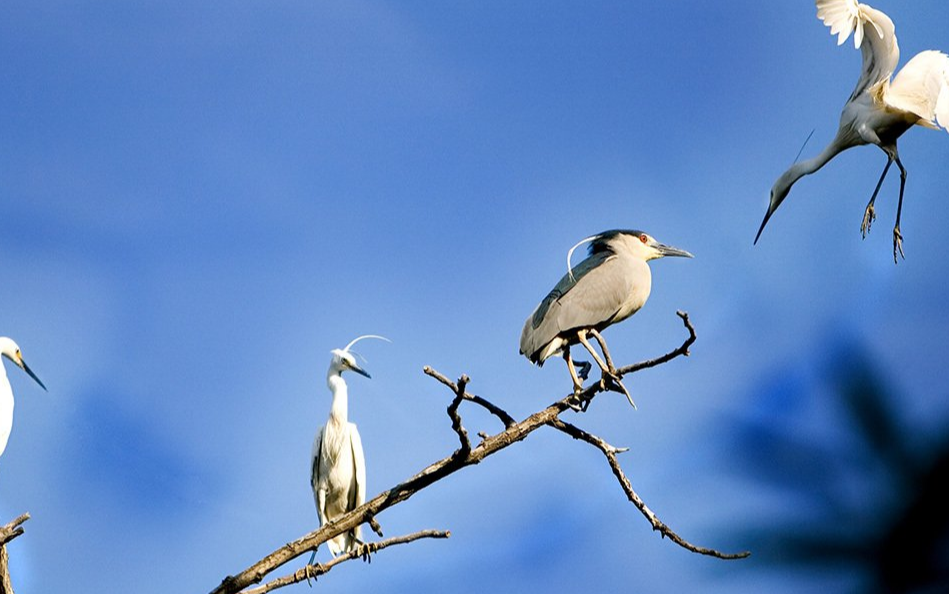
466, 455
8, 533
314, 571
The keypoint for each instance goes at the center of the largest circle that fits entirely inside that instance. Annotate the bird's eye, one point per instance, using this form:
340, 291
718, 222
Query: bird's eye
643, 238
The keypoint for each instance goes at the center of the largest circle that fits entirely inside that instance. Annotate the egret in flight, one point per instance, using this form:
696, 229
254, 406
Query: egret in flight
10, 350
880, 110
610, 285
337, 462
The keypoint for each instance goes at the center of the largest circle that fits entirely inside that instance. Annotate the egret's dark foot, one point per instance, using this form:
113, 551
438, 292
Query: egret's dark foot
584, 372
897, 244
869, 215
312, 570
365, 550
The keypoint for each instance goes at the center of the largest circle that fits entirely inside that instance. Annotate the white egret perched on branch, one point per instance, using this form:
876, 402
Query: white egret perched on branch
10, 350
337, 463
610, 285
880, 110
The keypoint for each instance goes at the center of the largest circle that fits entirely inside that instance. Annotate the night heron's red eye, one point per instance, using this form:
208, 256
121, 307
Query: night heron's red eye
643, 238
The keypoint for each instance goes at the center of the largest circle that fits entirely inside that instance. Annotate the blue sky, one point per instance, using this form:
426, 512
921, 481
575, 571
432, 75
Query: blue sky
198, 202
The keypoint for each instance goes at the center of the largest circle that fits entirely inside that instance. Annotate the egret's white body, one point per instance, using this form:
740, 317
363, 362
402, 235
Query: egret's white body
10, 350
337, 461
879, 110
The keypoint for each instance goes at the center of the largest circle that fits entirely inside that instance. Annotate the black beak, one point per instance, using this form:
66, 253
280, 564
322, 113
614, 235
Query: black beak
29, 372
360, 371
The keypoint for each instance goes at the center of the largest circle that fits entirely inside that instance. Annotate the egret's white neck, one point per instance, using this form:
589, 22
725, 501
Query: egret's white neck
339, 411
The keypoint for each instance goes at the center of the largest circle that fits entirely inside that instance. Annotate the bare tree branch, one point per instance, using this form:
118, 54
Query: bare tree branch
497, 411
315, 571
8, 533
610, 453
682, 350
467, 455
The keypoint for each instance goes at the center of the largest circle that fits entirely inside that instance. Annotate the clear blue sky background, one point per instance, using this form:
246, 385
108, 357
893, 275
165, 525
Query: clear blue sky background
199, 200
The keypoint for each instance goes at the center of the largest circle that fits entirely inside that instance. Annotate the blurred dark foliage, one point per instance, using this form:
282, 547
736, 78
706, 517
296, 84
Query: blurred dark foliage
865, 494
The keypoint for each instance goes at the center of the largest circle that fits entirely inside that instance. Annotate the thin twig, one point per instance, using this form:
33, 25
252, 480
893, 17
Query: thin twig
13, 529
315, 571
610, 453
495, 410
681, 351
8, 533
456, 425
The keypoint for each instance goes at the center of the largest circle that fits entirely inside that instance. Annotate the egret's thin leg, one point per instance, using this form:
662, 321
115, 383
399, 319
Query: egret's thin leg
869, 215
897, 236
308, 565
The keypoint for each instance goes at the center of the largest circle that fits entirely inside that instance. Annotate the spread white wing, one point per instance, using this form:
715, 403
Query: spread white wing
873, 32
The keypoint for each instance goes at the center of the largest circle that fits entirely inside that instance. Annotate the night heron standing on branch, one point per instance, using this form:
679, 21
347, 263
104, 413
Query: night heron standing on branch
337, 463
610, 285
11, 351
879, 111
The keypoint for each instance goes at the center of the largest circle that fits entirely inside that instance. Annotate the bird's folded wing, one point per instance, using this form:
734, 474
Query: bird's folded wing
315, 458
359, 466
596, 298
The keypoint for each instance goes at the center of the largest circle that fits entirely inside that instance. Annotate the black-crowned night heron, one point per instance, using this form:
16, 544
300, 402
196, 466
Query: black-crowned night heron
879, 111
610, 285
337, 462
10, 350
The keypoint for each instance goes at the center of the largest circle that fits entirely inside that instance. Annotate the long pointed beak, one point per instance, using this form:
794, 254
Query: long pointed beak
360, 371
767, 216
29, 372
668, 250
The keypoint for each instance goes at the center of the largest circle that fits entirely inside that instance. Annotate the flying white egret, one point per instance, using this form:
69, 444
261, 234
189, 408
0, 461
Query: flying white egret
337, 462
10, 350
610, 285
880, 110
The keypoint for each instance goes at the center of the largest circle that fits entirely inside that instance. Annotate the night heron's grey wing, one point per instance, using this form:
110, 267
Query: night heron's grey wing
545, 323
596, 298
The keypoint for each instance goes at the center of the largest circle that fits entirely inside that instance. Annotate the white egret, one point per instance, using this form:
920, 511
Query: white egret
880, 110
10, 350
610, 285
337, 462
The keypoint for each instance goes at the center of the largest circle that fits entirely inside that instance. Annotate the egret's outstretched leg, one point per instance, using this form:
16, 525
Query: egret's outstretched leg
897, 236
609, 372
869, 215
